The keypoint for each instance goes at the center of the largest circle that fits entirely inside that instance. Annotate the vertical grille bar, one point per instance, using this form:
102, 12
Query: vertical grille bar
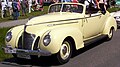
20, 43
36, 43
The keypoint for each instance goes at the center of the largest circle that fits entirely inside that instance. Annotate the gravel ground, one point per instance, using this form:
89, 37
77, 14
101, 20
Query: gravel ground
13, 23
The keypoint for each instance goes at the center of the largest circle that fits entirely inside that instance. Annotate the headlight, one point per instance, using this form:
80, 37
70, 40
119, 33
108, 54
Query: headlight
9, 36
46, 40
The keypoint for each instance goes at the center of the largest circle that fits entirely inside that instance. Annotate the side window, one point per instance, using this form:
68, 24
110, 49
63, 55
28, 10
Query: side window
77, 8
91, 10
80, 9
66, 8
55, 8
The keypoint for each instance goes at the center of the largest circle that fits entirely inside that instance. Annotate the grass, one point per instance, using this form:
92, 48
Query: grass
35, 13
113, 9
2, 44
3, 31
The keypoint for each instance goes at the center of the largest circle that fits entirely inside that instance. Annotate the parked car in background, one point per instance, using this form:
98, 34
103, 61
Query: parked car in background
117, 2
67, 27
116, 15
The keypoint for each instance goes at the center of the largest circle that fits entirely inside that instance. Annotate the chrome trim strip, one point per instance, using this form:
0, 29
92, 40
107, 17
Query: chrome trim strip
55, 21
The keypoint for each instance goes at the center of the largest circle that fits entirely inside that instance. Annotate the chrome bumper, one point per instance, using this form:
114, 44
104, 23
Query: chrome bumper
28, 52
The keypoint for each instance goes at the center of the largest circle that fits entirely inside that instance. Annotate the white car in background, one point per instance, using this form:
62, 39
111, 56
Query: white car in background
116, 15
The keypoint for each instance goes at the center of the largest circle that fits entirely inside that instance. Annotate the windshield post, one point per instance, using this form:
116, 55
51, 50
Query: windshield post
61, 8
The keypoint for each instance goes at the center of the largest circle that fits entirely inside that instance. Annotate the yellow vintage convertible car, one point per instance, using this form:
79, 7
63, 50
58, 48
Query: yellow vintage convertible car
66, 27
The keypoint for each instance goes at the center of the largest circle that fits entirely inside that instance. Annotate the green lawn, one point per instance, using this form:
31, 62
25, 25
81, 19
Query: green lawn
113, 9
2, 44
35, 13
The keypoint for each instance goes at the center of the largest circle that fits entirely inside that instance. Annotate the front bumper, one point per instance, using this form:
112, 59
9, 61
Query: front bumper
27, 52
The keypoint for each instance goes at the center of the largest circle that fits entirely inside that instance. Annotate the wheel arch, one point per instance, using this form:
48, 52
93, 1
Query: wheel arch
69, 38
110, 24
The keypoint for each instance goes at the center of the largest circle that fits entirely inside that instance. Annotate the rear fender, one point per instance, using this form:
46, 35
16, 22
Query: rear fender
111, 22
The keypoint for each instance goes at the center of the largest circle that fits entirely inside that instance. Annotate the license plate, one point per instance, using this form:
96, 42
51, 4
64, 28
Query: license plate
7, 50
25, 56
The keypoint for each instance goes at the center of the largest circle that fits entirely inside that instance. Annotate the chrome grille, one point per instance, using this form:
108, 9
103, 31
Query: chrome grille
25, 41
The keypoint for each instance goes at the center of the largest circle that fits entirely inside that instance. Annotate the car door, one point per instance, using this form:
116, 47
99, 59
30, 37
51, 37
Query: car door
91, 25
103, 19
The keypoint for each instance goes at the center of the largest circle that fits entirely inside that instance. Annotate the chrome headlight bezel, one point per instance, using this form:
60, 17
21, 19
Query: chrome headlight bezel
8, 36
46, 40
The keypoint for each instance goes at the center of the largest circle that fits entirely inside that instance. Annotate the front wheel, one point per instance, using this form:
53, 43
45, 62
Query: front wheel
65, 52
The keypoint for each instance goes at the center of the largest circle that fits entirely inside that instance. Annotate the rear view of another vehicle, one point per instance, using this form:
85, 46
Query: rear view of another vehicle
116, 15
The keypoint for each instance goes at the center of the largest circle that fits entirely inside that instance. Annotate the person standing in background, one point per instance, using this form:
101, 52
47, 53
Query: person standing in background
101, 6
24, 7
19, 7
106, 4
34, 4
3, 9
41, 5
91, 3
16, 9
30, 5
10, 7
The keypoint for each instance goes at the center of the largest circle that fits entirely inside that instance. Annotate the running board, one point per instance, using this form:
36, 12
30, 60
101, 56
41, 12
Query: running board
88, 42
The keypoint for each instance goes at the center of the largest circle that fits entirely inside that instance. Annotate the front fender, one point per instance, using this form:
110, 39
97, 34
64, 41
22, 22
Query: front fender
111, 22
58, 35
16, 33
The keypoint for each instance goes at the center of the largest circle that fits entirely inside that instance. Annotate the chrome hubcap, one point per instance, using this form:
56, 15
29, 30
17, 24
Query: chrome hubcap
65, 50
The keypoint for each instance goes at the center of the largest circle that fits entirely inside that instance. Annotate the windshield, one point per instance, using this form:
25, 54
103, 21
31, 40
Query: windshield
66, 8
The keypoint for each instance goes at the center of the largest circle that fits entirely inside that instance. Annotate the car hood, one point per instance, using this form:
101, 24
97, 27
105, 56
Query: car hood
53, 17
50, 21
